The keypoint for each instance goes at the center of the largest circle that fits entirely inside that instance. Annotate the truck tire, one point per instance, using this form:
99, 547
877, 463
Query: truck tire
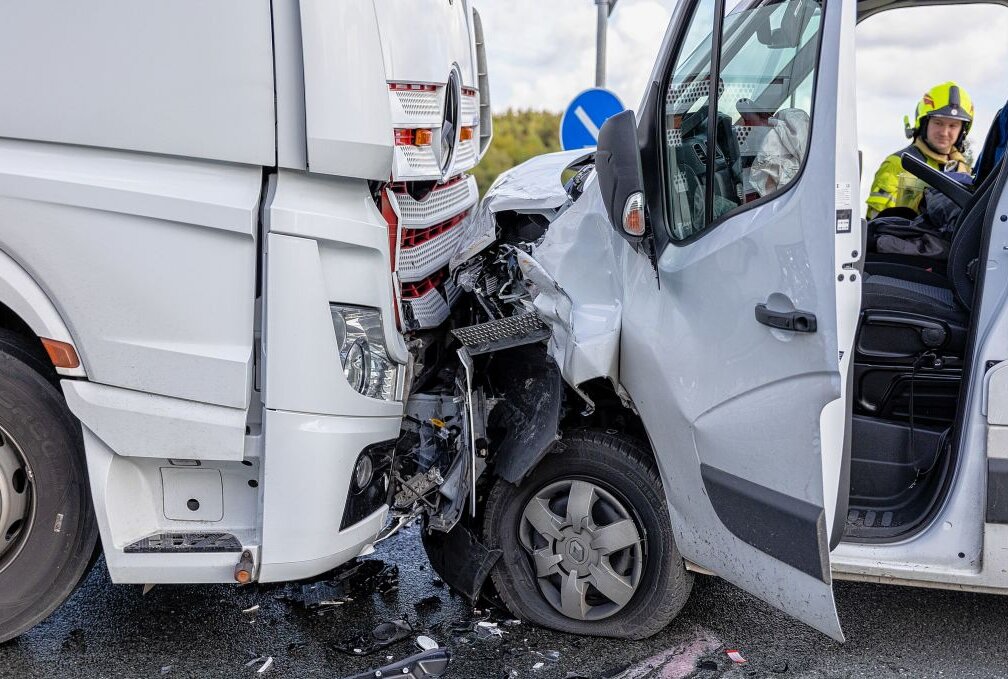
587, 541
48, 531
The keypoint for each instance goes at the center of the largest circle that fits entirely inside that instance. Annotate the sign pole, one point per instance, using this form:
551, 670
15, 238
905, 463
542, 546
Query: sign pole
600, 42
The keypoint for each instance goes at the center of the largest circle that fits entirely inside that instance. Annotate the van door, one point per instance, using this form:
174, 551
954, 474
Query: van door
737, 360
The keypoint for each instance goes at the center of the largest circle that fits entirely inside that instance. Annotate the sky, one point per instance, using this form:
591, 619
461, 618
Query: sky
541, 53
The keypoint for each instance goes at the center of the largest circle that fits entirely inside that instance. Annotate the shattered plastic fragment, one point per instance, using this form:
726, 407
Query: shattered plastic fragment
266, 666
735, 656
427, 665
538, 666
251, 609
382, 636
426, 643
167, 669
551, 656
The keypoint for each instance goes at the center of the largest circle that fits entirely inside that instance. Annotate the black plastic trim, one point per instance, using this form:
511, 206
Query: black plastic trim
997, 490
363, 502
790, 530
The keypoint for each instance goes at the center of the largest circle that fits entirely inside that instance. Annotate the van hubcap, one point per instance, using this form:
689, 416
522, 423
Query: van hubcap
585, 547
15, 499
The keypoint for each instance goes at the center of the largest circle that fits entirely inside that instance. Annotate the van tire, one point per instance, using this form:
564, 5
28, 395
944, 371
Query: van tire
619, 472
59, 533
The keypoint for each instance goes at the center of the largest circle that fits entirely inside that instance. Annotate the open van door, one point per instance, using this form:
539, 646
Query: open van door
738, 359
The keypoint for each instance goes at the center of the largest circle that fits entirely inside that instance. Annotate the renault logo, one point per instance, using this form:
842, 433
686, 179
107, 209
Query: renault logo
444, 143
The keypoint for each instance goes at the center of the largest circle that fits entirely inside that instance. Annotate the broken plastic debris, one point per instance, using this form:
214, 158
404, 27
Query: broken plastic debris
251, 609
255, 661
426, 665
426, 643
735, 656
167, 669
266, 666
550, 656
382, 636
538, 666
486, 629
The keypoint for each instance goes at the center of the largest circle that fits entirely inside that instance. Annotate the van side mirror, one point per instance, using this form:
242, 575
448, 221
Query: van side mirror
621, 179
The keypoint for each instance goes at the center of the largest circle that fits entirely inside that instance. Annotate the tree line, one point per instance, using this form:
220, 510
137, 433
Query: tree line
518, 136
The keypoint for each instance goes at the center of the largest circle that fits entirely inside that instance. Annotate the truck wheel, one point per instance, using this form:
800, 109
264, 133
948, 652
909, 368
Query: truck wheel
48, 530
587, 542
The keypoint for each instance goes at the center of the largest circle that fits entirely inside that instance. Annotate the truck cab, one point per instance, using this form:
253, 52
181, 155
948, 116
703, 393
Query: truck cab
224, 229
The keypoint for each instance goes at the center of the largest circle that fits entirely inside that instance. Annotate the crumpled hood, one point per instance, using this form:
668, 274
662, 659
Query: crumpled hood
577, 271
533, 186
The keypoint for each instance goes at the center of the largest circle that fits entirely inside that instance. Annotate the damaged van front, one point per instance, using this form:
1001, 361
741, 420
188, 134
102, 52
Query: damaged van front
654, 356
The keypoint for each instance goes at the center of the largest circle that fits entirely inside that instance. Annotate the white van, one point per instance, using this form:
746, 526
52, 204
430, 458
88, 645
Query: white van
745, 392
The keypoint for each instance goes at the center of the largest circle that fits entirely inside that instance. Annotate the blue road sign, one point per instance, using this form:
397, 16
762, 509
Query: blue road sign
581, 122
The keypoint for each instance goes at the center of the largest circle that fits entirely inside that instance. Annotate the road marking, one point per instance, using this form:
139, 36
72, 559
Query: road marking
582, 115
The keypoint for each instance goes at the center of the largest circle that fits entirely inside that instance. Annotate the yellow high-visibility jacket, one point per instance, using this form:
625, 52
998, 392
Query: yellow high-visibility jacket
885, 190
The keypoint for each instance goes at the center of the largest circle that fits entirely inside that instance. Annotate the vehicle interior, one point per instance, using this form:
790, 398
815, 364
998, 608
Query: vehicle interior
913, 346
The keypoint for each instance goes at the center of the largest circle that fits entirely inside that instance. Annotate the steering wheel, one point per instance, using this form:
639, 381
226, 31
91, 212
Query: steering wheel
956, 192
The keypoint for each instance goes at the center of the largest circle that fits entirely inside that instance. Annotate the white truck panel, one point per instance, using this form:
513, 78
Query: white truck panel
131, 499
187, 77
150, 262
137, 424
307, 470
290, 86
350, 113
349, 125
446, 40
21, 294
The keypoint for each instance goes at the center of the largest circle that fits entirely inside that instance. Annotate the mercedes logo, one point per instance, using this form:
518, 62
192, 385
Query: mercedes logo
444, 144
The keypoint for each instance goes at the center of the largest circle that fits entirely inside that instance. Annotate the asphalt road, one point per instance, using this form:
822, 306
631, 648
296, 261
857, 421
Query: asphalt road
106, 630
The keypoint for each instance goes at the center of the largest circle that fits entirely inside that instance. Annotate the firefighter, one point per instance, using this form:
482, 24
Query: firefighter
942, 120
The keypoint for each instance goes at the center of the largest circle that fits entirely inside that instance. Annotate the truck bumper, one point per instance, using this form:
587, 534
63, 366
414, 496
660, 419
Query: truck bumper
307, 475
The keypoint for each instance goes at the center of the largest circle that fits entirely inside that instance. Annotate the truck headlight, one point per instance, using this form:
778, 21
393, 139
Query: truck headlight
361, 340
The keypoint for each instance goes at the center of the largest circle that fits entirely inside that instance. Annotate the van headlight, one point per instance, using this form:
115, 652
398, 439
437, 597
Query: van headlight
361, 341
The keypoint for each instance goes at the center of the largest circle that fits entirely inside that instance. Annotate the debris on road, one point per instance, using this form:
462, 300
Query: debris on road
266, 666
426, 665
382, 636
251, 609
426, 643
735, 656
354, 581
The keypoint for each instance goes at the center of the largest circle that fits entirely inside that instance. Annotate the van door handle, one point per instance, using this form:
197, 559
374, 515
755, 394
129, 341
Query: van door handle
794, 321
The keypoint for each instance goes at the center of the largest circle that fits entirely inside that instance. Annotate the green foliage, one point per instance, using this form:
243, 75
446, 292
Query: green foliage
518, 136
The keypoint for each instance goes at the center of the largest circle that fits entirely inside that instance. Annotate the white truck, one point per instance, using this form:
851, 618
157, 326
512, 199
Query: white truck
224, 233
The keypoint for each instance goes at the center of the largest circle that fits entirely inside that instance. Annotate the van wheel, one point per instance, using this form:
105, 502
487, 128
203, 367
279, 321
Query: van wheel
48, 531
587, 542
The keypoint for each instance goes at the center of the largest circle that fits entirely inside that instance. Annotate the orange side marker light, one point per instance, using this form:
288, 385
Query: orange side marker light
61, 354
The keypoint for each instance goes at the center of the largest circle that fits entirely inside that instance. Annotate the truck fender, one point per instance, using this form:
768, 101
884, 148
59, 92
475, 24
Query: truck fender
23, 296
528, 414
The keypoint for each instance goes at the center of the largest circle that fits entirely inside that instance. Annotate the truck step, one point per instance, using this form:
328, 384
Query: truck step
503, 333
185, 543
